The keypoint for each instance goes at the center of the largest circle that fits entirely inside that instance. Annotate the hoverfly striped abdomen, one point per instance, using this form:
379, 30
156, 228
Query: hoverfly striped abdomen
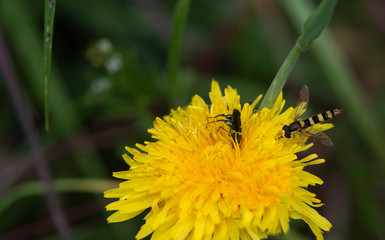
303, 124
299, 126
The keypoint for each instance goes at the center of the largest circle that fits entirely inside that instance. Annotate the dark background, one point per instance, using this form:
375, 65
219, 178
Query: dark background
110, 82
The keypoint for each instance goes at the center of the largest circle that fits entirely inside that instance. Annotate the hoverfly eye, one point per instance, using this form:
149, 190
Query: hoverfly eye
287, 132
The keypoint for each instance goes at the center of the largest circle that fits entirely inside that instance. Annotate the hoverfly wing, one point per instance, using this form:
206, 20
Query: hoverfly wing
321, 138
302, 101
304, 95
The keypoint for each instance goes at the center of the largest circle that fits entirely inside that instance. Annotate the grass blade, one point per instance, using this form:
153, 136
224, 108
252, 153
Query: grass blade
49, 16
66, 185
179, 21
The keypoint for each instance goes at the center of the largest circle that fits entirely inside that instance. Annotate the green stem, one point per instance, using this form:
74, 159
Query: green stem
312, 28
343, 81
280, 78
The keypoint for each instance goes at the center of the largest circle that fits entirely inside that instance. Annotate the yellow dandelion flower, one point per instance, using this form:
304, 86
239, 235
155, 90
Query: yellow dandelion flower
201, 183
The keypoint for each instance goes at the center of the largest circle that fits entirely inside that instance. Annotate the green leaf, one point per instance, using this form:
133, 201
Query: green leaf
48, 34
316, 23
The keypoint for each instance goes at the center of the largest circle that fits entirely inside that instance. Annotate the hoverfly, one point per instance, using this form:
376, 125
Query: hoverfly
234, 122
299, 126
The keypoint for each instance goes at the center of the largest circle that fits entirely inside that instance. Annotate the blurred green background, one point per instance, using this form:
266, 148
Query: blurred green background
110, 81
